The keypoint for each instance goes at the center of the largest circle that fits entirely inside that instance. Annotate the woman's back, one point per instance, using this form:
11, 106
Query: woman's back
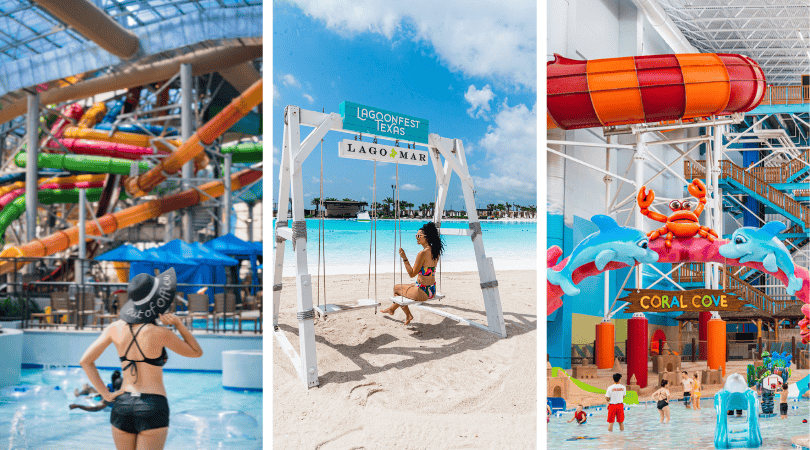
137, 343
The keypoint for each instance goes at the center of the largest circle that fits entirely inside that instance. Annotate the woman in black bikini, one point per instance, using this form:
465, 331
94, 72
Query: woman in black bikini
663, 395
423, 268
140, 412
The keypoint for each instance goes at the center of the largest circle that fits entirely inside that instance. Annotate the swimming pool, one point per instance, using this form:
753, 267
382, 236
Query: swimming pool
54, 427
688, 429
511, 244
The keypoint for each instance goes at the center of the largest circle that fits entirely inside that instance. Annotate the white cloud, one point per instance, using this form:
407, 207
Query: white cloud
276, 154
479, 101
479, 38
410, 187
276, 95
511, 154
309, 98
289, 80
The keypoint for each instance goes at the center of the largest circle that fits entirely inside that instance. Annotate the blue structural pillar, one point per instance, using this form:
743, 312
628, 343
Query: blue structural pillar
558, 324
751, 220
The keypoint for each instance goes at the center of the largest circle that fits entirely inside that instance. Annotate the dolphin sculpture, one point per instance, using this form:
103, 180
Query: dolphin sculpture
611, 243
761, 245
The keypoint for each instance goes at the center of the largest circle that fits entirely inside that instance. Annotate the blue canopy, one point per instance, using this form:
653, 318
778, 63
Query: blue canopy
188, 252
215, 255
122, 253
158, 256
231, 245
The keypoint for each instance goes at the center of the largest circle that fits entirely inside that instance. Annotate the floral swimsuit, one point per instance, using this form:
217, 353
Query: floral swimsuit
429, 290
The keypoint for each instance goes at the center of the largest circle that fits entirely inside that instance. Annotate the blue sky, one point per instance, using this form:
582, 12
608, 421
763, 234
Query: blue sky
424, 59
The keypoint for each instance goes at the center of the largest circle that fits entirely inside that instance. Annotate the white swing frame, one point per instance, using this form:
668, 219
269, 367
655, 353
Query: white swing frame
294, 153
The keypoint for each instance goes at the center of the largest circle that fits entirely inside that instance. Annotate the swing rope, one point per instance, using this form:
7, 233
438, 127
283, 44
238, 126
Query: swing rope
373, 239
321, 240
398, 224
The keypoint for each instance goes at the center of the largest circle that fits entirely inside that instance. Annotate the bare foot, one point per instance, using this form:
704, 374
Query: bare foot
389, 310
408, 319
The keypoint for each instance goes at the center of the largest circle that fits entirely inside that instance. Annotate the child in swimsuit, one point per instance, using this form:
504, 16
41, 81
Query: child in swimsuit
579, 416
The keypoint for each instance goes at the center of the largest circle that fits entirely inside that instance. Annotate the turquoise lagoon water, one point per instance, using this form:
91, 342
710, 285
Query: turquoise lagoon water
691, 430
48, 424
511, 244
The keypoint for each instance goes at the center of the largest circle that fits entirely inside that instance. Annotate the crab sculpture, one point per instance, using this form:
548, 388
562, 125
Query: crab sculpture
683, 222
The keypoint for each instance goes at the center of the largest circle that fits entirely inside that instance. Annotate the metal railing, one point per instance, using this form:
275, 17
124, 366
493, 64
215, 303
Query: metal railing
18, 291
757, 185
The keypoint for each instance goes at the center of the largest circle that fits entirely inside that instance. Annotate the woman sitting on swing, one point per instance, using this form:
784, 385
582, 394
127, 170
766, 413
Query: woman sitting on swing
423, 268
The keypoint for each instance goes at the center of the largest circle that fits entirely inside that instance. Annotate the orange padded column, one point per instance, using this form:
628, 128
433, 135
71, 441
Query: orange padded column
605, 340
716, 358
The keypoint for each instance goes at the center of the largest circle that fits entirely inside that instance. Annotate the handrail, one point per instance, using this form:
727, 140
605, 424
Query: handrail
786, 95
778, 174
754, 184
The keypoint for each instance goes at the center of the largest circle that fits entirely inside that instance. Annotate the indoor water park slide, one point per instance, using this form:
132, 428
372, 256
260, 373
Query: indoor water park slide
141, 185
83, 163
16, 208
109, 223
654, 88
248, 152
51, 180
205, 135
735, 395
630, 399
803, 385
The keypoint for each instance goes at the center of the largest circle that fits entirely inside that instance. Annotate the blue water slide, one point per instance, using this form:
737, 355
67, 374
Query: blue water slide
737, 434
803, 385
556, 404
138, 129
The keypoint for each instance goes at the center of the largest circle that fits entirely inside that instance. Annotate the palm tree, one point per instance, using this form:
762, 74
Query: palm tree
388, 204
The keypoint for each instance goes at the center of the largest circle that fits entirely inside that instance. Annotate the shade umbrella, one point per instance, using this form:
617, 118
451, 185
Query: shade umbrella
214, 255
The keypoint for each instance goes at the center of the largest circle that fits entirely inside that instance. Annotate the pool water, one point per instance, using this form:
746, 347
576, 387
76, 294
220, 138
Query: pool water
689, 429
511, 244
50, 425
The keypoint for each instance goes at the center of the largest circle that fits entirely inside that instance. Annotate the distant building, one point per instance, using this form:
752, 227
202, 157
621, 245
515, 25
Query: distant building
343, 209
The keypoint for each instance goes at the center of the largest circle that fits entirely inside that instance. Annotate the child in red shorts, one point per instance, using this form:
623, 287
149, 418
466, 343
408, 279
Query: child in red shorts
615, 394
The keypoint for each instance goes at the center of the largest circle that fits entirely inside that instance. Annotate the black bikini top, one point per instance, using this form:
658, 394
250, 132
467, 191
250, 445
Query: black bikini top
159, 361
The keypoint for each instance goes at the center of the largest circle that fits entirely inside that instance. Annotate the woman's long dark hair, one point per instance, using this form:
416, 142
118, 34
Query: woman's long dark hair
434, 239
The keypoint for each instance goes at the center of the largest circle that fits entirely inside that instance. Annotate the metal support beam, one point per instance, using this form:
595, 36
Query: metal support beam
226, 197
250, 206
32, 141
186, 130
638, 160
82, 236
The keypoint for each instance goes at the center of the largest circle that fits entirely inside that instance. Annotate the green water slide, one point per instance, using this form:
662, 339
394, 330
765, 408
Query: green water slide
16, 208
630, 399
84, 163
249, 152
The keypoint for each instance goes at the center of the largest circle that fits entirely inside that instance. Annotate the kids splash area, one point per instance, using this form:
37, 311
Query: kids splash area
130, 148
678, 225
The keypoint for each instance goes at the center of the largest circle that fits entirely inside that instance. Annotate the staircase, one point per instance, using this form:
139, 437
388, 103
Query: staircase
750, 184
693, 273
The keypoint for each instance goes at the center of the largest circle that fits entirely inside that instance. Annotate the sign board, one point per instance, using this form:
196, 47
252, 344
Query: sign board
349, 148
379, 122
651, 300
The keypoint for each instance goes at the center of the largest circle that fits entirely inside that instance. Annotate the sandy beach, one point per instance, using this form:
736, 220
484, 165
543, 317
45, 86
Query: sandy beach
432, 384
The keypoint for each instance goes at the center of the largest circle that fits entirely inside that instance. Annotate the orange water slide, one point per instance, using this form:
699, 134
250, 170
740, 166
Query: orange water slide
239, 107
109, 223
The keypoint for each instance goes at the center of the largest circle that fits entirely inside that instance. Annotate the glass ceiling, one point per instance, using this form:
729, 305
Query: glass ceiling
26, 29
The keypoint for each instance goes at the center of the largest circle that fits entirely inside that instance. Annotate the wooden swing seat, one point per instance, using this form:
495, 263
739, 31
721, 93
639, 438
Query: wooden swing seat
405, 301
330, 308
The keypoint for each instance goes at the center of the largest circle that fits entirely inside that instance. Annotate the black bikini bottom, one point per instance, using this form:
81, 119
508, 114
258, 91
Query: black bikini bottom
138, 414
